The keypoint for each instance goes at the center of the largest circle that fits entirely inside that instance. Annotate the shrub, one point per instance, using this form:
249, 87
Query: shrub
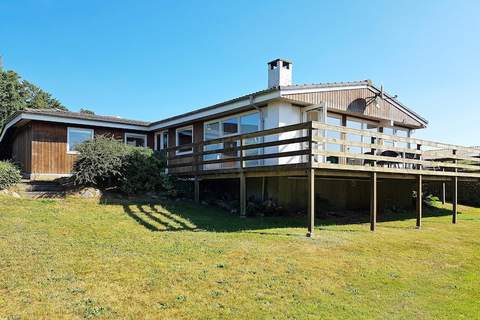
9, 174
99, 163
144, 171
107, 163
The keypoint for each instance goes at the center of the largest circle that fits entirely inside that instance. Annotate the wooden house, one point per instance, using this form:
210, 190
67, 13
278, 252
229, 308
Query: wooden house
293, 143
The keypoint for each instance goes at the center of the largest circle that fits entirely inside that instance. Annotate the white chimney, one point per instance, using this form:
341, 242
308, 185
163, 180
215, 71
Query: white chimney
279, 73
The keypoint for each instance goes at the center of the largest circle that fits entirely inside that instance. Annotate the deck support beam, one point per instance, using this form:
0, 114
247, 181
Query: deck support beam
264, 184
196, 190
455, 200
419, 201
373, 202
311, 201
243, 195
444, 193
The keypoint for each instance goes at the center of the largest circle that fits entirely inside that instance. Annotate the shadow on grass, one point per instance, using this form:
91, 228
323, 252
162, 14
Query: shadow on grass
160, 216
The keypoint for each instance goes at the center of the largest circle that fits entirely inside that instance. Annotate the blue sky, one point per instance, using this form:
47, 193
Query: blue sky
152, 59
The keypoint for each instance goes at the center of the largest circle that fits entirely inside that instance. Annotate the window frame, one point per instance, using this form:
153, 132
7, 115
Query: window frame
91, 131
238, 116
178, 152
160, 133
136, 135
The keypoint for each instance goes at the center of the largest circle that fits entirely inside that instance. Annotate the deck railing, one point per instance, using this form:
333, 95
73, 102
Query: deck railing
324, 146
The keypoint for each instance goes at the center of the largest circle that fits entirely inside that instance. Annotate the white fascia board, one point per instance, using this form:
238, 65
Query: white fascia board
9, 124
66, 120
221, 109
287, 91
399, 106
95, 123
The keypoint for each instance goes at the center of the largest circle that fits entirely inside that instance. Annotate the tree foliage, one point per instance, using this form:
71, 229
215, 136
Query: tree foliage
18, 94
87, 111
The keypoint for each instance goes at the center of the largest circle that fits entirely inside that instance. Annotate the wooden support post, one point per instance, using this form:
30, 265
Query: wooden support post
419, 200
243, 195
264, 183
197, 190
455, 200
311, 201
310, 186
455, 193
373, 202
343, 136
444, 193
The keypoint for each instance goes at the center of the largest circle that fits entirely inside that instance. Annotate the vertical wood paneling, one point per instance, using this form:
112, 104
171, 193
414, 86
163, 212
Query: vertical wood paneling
356, 101
49, 146
21, 148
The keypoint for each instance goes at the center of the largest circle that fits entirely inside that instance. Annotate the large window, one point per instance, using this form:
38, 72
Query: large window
212, 131
360, 124
251, 123
75, 136
238, 124
184, 138
230, 126
396, 131
161, 140
136, 140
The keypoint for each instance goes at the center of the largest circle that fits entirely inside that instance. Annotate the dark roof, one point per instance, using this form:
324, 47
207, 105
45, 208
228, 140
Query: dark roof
279, 59
82, 116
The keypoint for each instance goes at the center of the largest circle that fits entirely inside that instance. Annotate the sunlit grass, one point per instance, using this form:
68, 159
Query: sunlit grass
78, 259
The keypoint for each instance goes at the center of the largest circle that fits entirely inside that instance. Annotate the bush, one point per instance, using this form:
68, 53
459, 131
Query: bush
107, 163
9, 174
100, 163
144, 171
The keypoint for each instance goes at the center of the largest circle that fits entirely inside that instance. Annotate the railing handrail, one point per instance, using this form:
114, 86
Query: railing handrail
259, 133
330, 127
310, 150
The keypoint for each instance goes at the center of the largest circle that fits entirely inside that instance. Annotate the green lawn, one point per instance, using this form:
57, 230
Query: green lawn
78, 259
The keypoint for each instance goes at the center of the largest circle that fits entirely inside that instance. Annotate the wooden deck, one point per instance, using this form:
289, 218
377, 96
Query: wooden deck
316, 149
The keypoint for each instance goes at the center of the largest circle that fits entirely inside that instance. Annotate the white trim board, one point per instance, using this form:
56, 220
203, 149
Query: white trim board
155, 143
90, 130
225, 108
73, 121
9, 124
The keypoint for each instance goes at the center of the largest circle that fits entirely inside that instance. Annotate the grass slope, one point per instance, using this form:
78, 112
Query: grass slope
79, 259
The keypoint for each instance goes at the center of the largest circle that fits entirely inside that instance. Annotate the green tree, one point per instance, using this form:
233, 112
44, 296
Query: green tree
18, 94
87, 111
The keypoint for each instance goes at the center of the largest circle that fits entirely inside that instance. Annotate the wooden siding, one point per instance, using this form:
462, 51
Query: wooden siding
22, 149
49, 146
358, 102
49, 149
